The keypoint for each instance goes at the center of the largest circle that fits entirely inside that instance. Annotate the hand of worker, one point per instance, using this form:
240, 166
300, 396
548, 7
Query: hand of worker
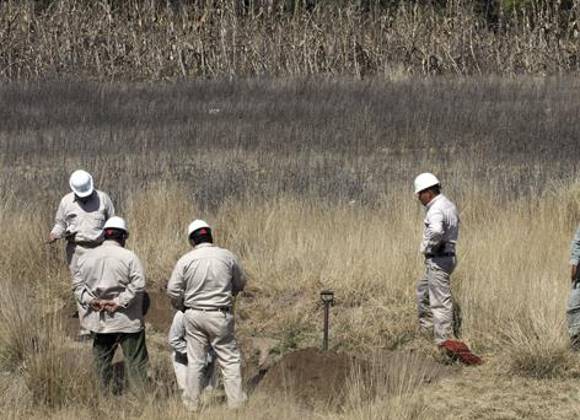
110, 306
96, 305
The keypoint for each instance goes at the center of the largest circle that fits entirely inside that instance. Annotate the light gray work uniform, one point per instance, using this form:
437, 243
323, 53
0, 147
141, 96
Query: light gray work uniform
111, 272
434, 300
177, 341
573, 307
81, 224
204, 281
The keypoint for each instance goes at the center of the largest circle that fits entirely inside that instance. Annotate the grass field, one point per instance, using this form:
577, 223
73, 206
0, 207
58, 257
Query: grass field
310, 183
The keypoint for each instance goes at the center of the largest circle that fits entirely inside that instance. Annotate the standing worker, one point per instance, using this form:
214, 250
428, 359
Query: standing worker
573, 310
203, 284
109, 284
178, 343
440, 233
80, 218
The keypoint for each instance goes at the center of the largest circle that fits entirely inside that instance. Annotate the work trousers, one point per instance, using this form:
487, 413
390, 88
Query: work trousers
73, 253
434, 300
215, 328
134, 353
210, 379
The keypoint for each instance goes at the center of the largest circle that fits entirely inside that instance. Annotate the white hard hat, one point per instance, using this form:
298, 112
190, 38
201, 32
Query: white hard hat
81, 182
196, 225
116, 222
424, 181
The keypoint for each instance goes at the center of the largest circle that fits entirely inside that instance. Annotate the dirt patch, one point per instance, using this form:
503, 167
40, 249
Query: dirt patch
160, 313
313, 377
258, 356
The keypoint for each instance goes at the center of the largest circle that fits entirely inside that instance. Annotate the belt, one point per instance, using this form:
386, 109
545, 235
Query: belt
225, 309
86, 244
442, 254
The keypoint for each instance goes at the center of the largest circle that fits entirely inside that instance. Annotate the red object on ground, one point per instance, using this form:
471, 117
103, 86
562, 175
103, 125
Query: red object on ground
459, 350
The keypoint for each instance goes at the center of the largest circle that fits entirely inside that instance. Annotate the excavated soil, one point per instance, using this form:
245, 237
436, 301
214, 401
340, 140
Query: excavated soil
313, 377
160, 312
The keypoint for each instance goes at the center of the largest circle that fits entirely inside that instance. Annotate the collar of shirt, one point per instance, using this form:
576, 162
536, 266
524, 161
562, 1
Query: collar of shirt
110, 242
77, 199
435, 199
203, 245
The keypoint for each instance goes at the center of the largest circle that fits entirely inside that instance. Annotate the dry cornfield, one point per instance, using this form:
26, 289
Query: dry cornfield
309, 182
183, 39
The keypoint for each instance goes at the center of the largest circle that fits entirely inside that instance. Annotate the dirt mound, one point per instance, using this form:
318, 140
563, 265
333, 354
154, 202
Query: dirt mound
311, 376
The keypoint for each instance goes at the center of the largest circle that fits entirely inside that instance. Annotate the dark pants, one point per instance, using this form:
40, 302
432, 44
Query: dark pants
134, 353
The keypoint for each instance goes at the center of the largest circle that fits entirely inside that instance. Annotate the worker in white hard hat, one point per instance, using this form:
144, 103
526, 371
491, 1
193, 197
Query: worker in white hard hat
573, 308
109, 284
438, 245
80, 218
203, 284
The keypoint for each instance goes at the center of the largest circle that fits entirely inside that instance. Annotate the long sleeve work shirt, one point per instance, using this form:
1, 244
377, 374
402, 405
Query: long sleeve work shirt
82, 221
110, 272
206, 277
441, 229
575, 248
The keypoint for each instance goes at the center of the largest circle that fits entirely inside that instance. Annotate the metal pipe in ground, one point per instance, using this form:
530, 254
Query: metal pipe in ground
327, 297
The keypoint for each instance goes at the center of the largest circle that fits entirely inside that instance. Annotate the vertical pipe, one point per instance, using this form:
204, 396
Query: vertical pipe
325, 336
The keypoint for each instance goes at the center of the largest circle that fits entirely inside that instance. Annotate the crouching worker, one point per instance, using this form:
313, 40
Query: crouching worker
178, 344
109, 283
203, 283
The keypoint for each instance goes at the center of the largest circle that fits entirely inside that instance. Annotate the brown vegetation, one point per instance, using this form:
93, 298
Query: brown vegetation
167, 40
310, 184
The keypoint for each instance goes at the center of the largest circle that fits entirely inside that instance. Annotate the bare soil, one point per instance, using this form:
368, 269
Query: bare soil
160, 313
313, 377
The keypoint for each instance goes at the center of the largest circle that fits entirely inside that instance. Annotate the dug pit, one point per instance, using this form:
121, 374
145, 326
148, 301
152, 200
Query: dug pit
313, 377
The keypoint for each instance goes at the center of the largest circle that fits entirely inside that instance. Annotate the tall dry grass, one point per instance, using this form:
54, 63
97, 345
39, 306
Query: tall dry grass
168, 40
310, 184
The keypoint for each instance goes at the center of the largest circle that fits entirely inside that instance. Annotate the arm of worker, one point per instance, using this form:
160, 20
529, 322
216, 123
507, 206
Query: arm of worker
238, 277
136, 285
575, 254
82, 294
176, 286
176, 336
59, 227
434, 231
109, 207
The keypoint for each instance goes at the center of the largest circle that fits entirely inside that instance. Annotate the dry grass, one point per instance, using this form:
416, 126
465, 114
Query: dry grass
168, 40
310, 185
